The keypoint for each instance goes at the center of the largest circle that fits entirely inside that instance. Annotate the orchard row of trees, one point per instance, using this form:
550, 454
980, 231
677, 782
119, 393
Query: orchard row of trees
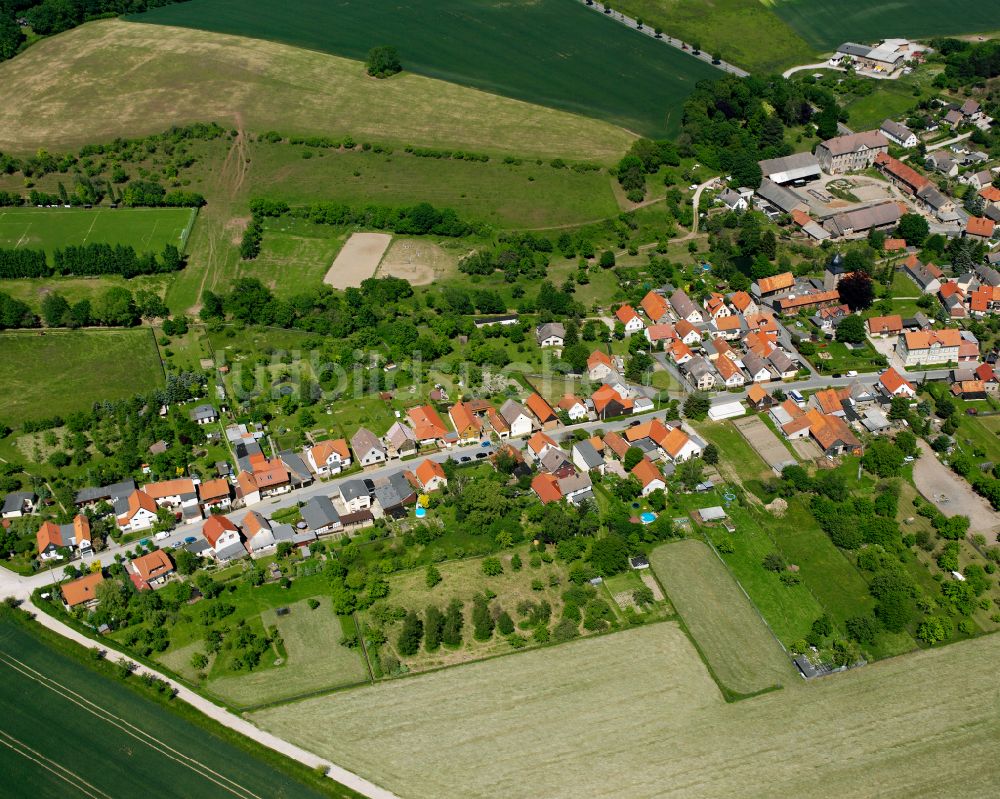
89, 259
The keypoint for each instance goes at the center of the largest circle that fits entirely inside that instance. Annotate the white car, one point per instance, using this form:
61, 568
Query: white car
161, 535
852, 373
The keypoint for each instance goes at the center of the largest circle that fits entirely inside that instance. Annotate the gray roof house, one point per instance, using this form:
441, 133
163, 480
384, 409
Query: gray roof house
898, 133
283, 532
298, 472
91, 496
367, 447
782, 363
864, 219
685, 308
585, 457
553, 460
393, 492
321, 516
204, 414
235, 550
756, 367
551, 334
19, 503
401, 439
353, 489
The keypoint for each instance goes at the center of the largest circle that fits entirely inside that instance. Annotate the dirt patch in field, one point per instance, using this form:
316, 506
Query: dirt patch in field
419, 262
358, 259
951, 494
237, 227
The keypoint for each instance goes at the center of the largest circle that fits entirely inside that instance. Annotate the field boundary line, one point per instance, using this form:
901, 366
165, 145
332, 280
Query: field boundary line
50, 765
92, 223
127, 727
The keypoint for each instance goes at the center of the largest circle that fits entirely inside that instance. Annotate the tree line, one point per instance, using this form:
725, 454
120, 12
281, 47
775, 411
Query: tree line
89, 259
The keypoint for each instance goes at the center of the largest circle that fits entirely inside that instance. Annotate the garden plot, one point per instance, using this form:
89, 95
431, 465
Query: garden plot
765, 442
358, 260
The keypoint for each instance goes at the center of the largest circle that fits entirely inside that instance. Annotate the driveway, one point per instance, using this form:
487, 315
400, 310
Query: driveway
950, 494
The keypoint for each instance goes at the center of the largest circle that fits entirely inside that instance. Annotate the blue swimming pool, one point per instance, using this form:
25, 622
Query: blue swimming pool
421, 512
648, 517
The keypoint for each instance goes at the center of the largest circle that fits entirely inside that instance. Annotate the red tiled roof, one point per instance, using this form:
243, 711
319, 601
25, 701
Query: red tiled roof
893, 380
654, 305
980, 226
885, 324
625, 314
426, 423
646, 472
214, 528
214, 489
741, 301
546, 486
539, 441
540, 408
785, 280
152, 565
428, 470
82, 590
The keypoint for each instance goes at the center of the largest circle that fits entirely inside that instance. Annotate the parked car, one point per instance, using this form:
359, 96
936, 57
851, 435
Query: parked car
190, 539
480, 455
145, 542
161, 535
465, 459
852, 373
486, 445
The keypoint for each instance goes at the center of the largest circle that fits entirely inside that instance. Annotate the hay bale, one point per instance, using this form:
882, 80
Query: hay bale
777, 506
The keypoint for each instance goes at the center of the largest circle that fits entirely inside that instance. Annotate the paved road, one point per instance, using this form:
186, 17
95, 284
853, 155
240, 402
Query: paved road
677, 44
223, 716
955, 140
696, 201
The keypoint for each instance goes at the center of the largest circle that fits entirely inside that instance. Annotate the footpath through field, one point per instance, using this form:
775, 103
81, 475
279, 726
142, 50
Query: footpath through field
224, 717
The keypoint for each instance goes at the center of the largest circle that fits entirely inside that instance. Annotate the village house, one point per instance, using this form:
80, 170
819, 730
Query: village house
808, 300
586, 458
926, 276
215, 493
678, 446
923, 347
88, 497
400, 441
685, 309
898, 134
538, 445
259, 533
851, 153
600, 365
699, 371
729, 327
52, 539
574, 407
827, 319
649, 477
367, 448
655, 307
543, 412
980, 228
892, 384
82, 592
264, 478
430, 474
730, 374
576, 488
680, 352
136, 512
515, 418
687, 332
759, 399
550, 334
321, 516
733, 200
466, 424
743, 304
630, 319
328, 457
546, 488
150, 569
942, 161
609, 402
883, 326
756, 368
356, 495
427, 425
19, 503
180, 494
204, 414
224, 538
715, 305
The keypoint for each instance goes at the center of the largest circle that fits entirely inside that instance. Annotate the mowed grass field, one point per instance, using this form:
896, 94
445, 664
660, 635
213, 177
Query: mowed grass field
727, 628
113, 78
316, 661
635, 716
66, 731
732, 28
64, 371
826, 24
554, 53
145, 229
